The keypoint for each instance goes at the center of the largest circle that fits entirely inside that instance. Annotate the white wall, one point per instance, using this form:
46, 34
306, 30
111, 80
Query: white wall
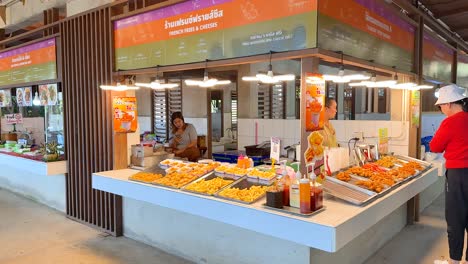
194, 101
200, 124
430, 122
286, 129
397, 131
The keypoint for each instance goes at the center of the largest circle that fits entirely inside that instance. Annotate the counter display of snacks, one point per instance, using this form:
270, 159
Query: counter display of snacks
243, 191
208, 185
362, 184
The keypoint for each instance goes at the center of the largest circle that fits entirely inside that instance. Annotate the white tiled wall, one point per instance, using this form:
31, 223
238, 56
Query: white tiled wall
144, 123
287, 130
430, 122
397, 131
200, 124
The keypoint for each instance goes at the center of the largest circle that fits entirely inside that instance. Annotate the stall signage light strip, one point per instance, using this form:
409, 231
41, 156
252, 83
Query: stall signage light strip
35, 62
194, 31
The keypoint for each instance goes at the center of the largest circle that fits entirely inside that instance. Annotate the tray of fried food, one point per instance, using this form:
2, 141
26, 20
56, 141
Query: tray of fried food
145, 177
208, 185
423, 165
243, 191
177, 180
264, 176
407, 170
170, 163
231, 171
388, 161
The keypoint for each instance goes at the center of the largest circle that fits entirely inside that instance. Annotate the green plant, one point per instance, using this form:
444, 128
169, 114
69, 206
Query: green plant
50, 151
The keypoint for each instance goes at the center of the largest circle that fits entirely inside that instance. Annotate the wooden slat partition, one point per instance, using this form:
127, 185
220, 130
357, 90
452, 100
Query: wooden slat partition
86, 43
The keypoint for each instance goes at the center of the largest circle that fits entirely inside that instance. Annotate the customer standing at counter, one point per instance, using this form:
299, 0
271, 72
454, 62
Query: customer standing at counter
452, 137
328, 132
185, 138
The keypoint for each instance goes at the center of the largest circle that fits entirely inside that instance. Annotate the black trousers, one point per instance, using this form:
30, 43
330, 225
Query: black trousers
456, 210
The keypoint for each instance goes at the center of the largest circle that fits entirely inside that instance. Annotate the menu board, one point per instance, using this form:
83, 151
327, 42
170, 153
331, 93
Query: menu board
366, 29
27, 96
5, 98
19, 96
31, 63
437, 58
125, 114
315, 102
462, 69
213, 29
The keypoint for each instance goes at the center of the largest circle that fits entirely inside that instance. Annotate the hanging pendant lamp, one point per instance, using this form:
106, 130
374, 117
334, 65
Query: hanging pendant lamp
206, 82
269, 77
158, 84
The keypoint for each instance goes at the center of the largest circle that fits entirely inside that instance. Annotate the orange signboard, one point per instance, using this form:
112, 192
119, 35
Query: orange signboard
315, 102
125, 114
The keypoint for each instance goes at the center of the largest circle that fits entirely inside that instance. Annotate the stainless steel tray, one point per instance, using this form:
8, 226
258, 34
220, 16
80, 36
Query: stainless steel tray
293, 210
359, 195
242, 183
207, 177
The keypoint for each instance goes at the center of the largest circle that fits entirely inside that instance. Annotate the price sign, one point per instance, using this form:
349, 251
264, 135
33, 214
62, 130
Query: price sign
275, 148
14, 118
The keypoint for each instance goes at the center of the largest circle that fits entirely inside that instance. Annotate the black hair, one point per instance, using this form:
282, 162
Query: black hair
463, 102
174, 116
329, 101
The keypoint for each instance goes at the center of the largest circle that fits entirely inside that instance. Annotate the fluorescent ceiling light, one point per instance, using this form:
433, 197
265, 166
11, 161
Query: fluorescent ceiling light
206, 82
158, 85
119, 87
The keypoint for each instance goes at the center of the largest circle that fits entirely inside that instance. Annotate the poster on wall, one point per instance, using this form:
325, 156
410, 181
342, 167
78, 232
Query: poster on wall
5, 98
193, 31
14, 118
20, 97
125, 114
27, 96
315, 102
44, 94
383, 140
415, 107
52, 99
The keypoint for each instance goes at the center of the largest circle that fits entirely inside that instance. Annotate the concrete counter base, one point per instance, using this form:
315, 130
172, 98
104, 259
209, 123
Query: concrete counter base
39, 181
209, 230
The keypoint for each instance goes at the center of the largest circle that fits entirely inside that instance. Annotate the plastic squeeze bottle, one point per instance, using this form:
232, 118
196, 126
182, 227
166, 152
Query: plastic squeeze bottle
316, 194
294, 190
304, 196
286, 182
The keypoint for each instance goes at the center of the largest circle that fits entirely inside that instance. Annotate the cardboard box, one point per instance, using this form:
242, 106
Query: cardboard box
139, 151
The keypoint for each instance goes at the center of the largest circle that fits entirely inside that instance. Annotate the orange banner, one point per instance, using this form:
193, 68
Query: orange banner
362, 18
226, 15
30, 58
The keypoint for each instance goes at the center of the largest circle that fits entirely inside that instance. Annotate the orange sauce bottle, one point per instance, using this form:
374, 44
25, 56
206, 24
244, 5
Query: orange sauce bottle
304, 196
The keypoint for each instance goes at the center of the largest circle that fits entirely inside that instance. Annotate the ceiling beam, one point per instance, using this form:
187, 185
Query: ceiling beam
432, 23
451, 12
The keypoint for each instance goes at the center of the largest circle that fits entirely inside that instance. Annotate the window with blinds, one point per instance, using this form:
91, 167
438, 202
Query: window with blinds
271, 101
166, 102
234, 110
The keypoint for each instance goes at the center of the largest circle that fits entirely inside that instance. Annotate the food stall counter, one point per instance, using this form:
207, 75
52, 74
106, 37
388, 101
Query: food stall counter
332, 229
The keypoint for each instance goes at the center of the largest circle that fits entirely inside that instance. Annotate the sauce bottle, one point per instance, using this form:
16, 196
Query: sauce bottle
286, 182
304, 196
294, 190
316, 194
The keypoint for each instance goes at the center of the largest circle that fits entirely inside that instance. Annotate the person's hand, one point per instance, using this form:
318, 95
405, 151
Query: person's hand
177, 138
177, 152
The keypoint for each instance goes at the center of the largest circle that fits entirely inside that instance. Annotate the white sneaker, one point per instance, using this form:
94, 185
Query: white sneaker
441, 261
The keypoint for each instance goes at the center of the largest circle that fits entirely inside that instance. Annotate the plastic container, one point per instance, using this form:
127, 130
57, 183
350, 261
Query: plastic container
425, 141
294, 191
304, 196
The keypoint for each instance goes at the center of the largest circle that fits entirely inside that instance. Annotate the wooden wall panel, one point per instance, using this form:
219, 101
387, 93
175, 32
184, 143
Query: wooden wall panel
87, 63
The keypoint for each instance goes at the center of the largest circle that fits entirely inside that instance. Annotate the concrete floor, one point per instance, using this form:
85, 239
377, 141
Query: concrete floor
421, 243
34, 233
